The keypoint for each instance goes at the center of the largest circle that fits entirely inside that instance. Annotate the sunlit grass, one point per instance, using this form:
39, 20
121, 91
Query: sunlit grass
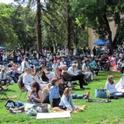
96, 113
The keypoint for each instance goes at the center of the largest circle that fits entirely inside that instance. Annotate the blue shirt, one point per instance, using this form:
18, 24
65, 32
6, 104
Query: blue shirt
54, 93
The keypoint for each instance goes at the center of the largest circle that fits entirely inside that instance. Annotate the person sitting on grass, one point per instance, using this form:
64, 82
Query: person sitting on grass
67, 104
74, 74
110, 87
45, 92
27, 79
35, 96
54, 94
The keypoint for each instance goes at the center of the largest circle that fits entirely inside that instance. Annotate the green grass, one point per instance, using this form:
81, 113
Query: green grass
96, 113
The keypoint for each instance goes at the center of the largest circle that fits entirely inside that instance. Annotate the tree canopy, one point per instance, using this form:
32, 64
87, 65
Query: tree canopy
60, 23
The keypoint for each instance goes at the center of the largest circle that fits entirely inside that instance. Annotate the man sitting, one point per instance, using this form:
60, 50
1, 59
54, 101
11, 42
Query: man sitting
88, 74
73, 74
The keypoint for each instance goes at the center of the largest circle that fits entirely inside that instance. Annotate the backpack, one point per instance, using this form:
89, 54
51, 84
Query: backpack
11, 104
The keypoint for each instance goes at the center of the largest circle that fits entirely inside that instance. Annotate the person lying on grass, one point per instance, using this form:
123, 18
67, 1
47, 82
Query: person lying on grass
111, 88
66, 102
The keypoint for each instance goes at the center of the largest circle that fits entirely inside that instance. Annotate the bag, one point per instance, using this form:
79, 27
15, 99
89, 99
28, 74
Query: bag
38, 108
12, 104
101, 93
42, 108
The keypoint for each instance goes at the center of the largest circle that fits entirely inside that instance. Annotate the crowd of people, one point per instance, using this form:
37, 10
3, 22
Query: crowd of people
48, 78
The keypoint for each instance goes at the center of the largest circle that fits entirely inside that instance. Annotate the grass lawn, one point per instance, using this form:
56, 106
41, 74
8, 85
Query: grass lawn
96, 113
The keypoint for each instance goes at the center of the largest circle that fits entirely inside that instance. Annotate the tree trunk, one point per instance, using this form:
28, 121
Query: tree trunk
38, 27
68, 27
108, 29
109, 32
118, 23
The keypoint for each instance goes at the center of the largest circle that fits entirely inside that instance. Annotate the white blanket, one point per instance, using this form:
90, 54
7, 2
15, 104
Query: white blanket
120, 85
53, 115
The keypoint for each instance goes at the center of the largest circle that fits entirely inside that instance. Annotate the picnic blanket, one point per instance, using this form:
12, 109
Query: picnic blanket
52, 115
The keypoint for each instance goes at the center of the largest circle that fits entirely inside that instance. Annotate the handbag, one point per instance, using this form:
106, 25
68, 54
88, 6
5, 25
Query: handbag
101, 93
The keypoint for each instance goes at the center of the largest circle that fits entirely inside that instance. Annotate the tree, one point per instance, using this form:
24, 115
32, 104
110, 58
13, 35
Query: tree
38, 29
23, 19
38, 20
7, 33
99, 13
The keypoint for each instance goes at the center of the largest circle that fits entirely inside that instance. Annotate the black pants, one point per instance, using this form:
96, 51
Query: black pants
56, 102
46, 100
80, 77
122, 70
63, 108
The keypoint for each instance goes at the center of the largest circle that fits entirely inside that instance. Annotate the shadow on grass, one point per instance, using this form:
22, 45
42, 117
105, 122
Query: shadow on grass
10, 90
77, 89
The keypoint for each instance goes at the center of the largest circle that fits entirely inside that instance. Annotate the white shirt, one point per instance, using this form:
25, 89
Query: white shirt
110, 87
84, 67
73, 71
3, 75
66, 102
24, 65
38, 79
120, 85
27, 79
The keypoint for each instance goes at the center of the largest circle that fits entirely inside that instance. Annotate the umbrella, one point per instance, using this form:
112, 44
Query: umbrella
100, 42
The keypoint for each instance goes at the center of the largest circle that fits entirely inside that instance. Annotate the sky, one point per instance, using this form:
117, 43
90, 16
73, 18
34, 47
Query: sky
6, 1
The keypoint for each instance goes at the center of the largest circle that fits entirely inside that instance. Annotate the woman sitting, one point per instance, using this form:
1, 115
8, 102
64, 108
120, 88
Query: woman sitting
67, 104
35, 96
110, 87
